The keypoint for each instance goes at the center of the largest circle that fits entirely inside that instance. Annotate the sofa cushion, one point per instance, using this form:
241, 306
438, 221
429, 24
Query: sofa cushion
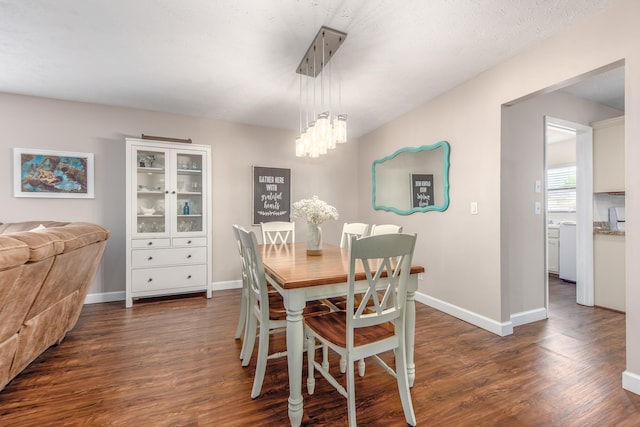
78, 234
42, 244
12, 227
12, 252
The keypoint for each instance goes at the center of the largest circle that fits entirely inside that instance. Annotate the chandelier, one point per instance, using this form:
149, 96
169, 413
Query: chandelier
320, 127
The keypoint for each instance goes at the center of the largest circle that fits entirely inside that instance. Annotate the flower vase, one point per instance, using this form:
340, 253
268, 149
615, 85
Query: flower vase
314, 240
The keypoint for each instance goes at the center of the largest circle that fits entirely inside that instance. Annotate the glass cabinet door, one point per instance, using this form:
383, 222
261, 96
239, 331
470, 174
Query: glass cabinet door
151, 191
189, 169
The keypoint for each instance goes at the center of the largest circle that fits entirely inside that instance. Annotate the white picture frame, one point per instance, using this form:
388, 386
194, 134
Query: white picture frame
41, 173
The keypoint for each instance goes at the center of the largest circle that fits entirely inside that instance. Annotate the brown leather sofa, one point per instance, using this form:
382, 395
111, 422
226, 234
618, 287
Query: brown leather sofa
46, 269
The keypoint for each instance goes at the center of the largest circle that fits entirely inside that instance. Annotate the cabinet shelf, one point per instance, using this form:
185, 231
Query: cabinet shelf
189, 171
150, 170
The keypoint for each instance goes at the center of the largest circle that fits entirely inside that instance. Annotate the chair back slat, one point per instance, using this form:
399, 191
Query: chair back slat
278, 232
386, 261
357, 229
256, 279
377, 230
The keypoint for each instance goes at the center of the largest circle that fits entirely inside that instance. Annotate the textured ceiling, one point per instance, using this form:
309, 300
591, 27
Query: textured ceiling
235, 60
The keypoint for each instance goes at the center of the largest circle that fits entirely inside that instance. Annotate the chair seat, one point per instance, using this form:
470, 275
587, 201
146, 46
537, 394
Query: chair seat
278, 312
333, 327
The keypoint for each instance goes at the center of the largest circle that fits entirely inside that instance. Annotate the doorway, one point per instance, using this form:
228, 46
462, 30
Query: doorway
567, 198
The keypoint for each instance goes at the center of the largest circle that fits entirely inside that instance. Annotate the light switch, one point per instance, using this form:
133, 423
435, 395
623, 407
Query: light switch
538, 186
538, 208
474, 208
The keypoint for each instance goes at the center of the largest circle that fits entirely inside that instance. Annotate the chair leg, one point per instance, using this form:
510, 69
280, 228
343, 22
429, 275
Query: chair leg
325, 357
311, 355
403, 385
261, 364
249, 339
361, 367
242, 320
343, 365
351, 393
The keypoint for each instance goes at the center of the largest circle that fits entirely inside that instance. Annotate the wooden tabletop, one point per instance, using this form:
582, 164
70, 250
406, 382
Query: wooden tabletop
291, 267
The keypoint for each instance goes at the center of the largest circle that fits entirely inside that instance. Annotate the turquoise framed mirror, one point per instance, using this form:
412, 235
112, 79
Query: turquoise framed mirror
412, 179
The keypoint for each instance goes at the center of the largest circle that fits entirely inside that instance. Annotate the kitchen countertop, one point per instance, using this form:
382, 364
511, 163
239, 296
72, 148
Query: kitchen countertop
603, 229
608, 232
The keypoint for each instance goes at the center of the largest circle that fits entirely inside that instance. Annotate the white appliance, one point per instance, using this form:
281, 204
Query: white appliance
616, 218
567, 269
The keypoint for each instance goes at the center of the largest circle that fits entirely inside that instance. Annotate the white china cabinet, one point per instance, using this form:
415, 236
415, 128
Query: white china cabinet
168, 219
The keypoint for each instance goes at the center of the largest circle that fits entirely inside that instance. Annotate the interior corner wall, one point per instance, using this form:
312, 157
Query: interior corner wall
30, 122
524, 232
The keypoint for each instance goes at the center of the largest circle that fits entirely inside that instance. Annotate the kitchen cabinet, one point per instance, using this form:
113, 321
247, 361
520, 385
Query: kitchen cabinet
168, 219
609, 271
553, 249
608, 155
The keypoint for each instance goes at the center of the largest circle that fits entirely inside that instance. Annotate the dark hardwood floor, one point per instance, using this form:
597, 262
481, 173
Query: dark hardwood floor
174, 362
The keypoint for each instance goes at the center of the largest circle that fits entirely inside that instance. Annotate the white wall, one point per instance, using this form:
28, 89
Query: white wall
60, 125
523, 232
467, 257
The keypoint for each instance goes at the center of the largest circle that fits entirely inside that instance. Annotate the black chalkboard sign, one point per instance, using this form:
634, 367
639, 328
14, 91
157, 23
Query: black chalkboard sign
271, 194
421, 190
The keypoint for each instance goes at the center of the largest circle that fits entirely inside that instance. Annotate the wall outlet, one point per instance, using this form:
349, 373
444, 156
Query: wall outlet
538, 186
538, 208
420, 276
474, 208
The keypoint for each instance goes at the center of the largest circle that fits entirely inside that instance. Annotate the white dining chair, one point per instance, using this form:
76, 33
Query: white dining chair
266, 310
357, 229
242, 320
377, 230
372, 324
276, 232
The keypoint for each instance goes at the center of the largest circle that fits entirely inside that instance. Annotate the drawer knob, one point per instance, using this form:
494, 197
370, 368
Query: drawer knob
149, 280
188, 256
150, 243
189, 277
188, 242
150, 258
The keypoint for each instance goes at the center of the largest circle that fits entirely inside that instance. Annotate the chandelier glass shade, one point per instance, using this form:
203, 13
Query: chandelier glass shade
323, 131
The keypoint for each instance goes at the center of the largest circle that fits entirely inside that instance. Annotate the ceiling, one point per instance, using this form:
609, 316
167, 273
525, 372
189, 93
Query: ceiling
235, 60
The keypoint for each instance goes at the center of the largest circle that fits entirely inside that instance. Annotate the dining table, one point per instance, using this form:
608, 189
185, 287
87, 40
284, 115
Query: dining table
300, 278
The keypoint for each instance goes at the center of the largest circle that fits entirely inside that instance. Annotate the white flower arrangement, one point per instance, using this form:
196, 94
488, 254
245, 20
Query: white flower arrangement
314, 210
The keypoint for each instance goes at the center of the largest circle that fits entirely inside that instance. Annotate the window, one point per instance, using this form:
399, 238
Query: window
561, 189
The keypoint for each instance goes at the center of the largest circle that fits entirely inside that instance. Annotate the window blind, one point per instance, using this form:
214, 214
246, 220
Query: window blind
561, 189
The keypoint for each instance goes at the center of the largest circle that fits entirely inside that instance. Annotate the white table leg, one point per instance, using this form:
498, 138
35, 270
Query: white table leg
294, 302
410, 335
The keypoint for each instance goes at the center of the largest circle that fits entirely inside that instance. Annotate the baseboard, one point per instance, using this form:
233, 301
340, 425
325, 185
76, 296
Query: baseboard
478, 320
105, 297
530, 316
121, 295
631, 382
230, 284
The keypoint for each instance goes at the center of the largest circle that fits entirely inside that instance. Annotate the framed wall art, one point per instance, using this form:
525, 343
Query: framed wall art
271, 194
48, 173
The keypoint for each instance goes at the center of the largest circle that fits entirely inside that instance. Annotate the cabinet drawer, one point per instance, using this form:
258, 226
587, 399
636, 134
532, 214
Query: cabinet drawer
161, 257
189, 241
168, 278
553, 233
151, 243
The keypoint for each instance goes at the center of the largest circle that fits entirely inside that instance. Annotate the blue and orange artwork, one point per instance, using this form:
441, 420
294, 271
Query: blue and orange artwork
53, 174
